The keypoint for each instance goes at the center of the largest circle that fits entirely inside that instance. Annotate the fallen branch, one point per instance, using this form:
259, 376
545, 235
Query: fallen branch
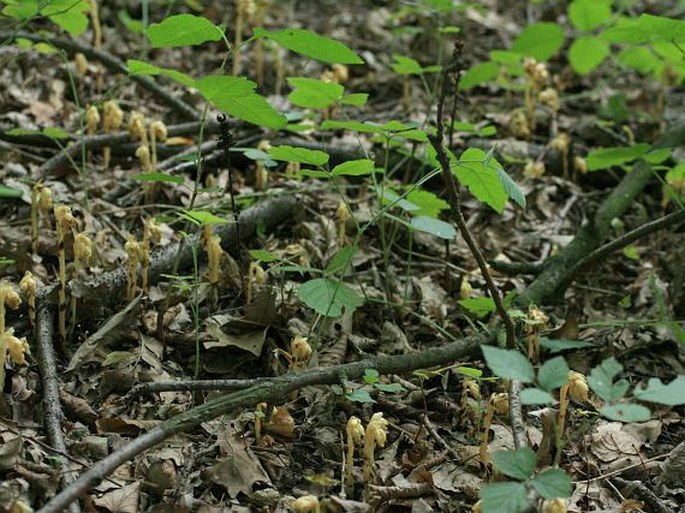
270, 391
51, 402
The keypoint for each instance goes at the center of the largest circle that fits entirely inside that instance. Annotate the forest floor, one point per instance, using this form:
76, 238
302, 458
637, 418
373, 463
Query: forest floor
206, 334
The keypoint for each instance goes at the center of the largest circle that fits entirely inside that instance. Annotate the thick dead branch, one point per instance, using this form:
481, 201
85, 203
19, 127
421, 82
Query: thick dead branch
551, 283
270, 391
51, 402
269, 214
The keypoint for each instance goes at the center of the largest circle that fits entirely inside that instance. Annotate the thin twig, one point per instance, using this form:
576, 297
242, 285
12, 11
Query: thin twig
453, 195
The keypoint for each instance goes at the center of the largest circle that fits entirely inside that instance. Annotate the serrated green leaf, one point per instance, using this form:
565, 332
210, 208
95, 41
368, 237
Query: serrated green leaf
389, 388
511, 187
553, 373
626, 412
539, 40
263, 256
136, 67
586, 53
519, 464
509, 364
536, 396
359, 167
478, 173
672, 394
354, 126
371, 376
470, 371
406, 65
360, 396
314, 94
553, 483
601, 379
355, 99
201, 217
312, 45
481, 306
586, 15
603, 158
639, 58
479, 74
9, 192
182, 30
558, 345
158, 177
302, 155
429, 204
342, 259
236, 96
434, 226
328, 297
503, 498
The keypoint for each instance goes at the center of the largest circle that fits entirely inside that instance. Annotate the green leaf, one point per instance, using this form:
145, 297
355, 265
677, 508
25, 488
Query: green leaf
236, 96
201, 217
586, 53
519, 464
55, 133
302, 155
536, 396
626, 412
406, 65
389, 388
128, 22
353, 126
478, 173
658, 156
539, 40
314, 94
158, 177
601, 379
183, 30
503, 498
552, 483
360, 396
264, 256
672, 394
355, 99
342, 259
586, 15
562, 344
646, 28
603, 158
434, 227
638, 58
509, 364
145, 68
479, 74
553, 373
510, 186
354, 168
9, 192
470, 371
312, 45
481, 306
371, 376
430, 205
69, 15
328, 297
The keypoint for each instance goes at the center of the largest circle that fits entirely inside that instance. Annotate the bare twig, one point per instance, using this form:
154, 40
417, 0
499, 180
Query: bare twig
453, 194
